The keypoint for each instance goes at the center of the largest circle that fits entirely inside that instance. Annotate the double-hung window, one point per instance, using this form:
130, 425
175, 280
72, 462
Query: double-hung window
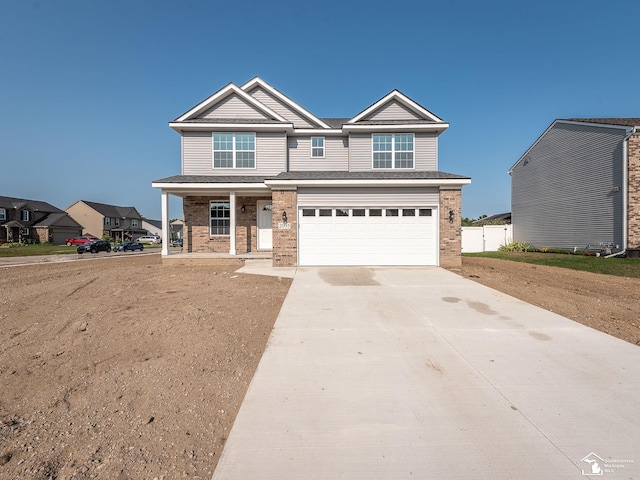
107, 221
220, 218
234, 150
134, 223
3, 214
317, 147
25, 215
393, 150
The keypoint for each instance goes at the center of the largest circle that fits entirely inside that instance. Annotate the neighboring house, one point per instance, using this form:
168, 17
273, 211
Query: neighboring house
261, 173
176, 227
495, 219
578, 186
152, 227
34, 221
99, 219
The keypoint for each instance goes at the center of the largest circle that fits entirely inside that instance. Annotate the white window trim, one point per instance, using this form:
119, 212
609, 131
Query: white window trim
3, 213
323, 147
211, 234
134, 223
393, 151
107, 221
22, 215
234, 167
117, 222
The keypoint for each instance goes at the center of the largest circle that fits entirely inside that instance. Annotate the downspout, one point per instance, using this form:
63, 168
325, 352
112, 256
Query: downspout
625, 190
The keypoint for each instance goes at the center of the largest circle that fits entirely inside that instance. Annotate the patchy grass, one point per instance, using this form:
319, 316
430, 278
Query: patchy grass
622, 267
14, 250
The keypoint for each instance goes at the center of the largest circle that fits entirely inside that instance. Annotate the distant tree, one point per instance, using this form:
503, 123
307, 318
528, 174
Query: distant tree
467, 222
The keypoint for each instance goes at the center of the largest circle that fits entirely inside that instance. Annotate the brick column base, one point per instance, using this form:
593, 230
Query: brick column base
450, 232
285, 236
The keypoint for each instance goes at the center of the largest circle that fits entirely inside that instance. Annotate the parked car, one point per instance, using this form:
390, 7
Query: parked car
149, 239
129, 246
95, 246
80, 240
177, 242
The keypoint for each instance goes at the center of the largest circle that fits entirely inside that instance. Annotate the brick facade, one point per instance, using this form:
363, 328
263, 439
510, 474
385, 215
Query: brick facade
633, 199
285, 240
450, 231
197, 229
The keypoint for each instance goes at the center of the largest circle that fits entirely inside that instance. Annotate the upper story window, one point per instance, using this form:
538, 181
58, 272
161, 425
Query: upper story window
317, 147
25, 215
134, 222
117, 222
107, 221
3, 214
393, 150
234, 150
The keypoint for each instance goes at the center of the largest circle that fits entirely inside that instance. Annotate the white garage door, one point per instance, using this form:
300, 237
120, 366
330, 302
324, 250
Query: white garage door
367, 236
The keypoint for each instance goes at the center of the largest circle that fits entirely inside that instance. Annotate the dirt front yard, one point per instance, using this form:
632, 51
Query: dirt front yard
123, 368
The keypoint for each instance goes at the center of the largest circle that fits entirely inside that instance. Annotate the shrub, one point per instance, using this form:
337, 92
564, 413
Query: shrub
515, 247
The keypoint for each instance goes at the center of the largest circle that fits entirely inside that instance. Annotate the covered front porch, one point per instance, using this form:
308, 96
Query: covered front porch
222, 216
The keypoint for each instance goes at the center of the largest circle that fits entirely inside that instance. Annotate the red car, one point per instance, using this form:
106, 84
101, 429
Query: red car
80, 240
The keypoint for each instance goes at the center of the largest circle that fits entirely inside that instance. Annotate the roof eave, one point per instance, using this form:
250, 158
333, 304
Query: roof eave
404, 127
232, 127
370, 182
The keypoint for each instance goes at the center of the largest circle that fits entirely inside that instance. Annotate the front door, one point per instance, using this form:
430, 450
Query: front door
265, 232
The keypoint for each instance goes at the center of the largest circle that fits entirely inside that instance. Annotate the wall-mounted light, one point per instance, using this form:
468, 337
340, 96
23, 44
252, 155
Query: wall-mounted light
243, 209
452, 215
284, 216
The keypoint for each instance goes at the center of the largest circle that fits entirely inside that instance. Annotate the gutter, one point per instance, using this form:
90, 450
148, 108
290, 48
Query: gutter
625, 192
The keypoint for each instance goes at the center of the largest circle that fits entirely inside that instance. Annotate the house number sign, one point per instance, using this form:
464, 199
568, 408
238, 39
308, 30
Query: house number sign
284, 226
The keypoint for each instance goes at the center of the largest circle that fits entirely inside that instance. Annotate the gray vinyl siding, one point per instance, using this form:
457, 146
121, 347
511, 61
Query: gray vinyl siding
425, 152
563, 189
283, 110
336, 154
271, 155
233, 107
393, 111
368, 197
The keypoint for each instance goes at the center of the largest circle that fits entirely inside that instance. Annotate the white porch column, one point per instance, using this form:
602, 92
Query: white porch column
165, 223
232, 223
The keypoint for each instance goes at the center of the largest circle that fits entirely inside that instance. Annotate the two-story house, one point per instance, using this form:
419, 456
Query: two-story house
578, 186
261, 173
103, 220
31, 221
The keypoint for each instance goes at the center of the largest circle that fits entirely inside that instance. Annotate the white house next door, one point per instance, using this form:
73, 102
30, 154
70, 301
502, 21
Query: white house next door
265, 232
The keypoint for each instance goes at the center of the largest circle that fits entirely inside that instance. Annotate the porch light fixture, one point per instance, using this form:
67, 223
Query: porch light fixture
243, 209
451, 216
284, 216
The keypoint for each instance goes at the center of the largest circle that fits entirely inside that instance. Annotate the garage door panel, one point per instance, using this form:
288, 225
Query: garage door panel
368, 240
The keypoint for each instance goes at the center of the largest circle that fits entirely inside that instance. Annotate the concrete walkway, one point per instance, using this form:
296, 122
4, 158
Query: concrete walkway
390, 373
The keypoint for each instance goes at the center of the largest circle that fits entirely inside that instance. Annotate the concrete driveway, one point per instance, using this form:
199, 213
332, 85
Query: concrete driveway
389, 373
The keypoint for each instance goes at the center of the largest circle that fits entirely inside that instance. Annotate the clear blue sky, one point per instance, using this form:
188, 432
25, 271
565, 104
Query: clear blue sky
87, 88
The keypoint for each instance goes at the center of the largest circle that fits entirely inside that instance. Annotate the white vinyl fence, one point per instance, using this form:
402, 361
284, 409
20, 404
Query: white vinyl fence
486, 239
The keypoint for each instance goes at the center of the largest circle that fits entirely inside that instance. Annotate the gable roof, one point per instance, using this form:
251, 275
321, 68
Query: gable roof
113, 211
627, 123
397, 96
57, 219
155, 223
35, 205
258, 82
220, 95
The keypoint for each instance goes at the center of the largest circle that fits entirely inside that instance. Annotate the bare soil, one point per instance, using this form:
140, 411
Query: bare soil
123, 368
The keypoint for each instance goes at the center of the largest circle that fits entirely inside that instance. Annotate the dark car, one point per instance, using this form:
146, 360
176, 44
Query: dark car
95, 246
177, 242
129, 246
80, 240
